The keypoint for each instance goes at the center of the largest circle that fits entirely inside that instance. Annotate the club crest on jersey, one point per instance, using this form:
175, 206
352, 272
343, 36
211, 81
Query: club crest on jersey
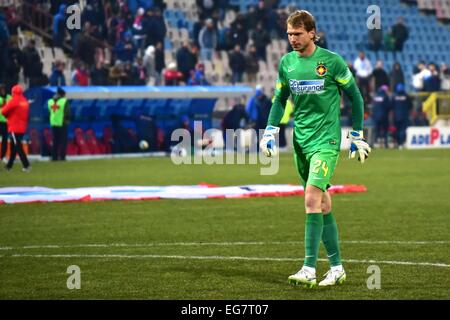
321, 69
306, 86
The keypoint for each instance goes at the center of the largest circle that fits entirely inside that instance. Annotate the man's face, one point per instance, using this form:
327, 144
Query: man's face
299, 38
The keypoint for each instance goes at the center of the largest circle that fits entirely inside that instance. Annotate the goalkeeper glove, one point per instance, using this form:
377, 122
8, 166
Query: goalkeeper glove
357, 143
268, 144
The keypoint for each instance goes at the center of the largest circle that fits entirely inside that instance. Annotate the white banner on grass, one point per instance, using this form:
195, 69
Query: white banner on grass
42, 194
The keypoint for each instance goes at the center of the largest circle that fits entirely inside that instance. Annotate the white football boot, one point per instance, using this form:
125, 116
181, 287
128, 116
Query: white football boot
333, 277
303, 277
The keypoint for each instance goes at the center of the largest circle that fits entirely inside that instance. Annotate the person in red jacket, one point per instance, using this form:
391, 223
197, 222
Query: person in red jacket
16, 112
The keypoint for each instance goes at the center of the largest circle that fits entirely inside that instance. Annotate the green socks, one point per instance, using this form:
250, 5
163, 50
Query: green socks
330, 238
313, 235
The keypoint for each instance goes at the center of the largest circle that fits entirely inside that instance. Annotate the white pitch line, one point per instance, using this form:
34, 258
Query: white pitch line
238, 243
234, 258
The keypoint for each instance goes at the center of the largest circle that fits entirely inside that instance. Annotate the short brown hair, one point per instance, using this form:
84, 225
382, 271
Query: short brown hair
302, 19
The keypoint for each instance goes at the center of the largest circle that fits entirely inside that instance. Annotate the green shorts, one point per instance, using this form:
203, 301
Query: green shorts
316, 168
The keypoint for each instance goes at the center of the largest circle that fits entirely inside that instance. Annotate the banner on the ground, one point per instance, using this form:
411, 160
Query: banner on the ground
42, 194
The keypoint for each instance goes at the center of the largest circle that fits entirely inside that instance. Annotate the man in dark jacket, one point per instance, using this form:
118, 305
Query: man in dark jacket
400, 33
237, 64
402, 107
381, 107
186, 60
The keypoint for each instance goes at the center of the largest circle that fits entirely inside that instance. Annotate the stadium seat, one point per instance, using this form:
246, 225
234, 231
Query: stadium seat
107, 139
94, 145
80, 141
35, 141
72, 148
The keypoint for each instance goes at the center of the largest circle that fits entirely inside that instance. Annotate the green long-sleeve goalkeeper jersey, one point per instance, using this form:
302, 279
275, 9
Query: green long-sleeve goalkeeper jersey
315, 83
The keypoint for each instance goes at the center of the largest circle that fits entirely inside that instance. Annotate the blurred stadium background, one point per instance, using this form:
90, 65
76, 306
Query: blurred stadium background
120, 45
134, 74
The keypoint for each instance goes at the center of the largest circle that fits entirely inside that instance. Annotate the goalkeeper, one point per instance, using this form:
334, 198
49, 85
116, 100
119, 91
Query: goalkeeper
315, 78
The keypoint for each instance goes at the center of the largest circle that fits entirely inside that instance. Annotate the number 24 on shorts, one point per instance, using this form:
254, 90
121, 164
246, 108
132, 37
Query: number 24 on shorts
318, 164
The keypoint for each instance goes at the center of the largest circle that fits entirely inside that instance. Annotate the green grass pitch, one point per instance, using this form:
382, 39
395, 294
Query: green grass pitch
227, 249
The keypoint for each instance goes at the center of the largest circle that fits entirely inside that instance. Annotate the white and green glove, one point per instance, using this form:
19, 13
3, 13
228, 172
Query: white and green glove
268, 143
358, 144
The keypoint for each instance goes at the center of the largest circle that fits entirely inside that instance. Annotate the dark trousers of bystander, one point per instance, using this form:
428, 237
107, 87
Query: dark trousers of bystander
4, 136
16, 147
59, 143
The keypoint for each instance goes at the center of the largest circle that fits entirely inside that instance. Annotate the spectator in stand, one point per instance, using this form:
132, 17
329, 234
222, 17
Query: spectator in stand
198, 26
402, 107
250, 18
156, 27
59, 26
363, 69
432, 83
261, 39
445, 77
117, 73
237, 64
396, 76
380, 76
172, 77
149, 64
99, 74
94, 13
127, 79
16, 112
186, 60
85, 46
251, 64
239, 35
198, 77
125, 50
271, 22
80, 76
400, 33
117, 25
12, 19
262, 14
206, 7
281, 22
57, 77
375, 37
421, 72
4, 40
139, 29
207, 40
32, 62
134, 5
139, 73
380, 114
14, 63
389, 41
160, 63
223, 37
322, 42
